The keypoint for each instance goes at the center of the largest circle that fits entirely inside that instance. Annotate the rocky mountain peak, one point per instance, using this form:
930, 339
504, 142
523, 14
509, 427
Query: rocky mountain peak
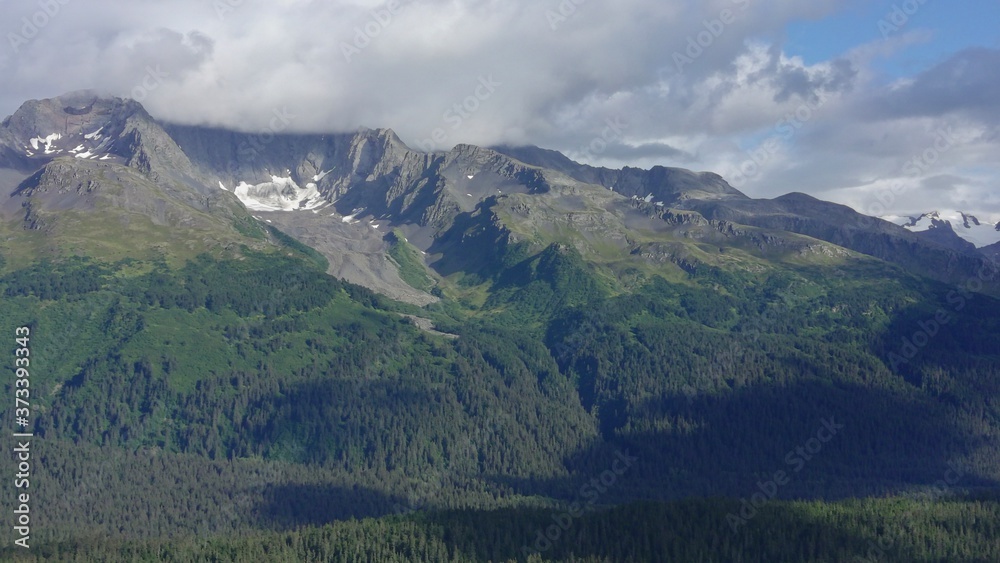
343, 193
80, 125
976, 229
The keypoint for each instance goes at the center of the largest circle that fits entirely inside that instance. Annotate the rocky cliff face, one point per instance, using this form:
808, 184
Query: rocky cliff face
109, 161
100, 175
667, 185
370, 171
343, 193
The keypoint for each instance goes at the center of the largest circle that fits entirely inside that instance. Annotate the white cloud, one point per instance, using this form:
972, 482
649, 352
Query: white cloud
557, 87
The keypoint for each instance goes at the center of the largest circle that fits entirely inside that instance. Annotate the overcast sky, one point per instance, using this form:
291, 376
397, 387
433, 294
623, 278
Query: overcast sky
852, 101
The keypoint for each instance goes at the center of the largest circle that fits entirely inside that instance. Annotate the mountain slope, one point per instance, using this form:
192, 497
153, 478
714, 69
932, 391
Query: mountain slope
954, 224
108, 181
667, 185
554, 326
840, 225
360, 186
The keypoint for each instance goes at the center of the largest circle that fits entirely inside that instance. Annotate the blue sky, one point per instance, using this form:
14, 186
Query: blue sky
866, 105
949, 28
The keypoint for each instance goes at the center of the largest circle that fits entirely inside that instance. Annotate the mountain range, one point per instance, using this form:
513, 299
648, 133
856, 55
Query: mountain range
251, 344
954, 227
343, 194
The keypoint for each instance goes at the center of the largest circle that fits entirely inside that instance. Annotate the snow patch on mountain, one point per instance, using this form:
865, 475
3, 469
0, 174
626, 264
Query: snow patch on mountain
46, 141
89, 146
981, 229
280, 194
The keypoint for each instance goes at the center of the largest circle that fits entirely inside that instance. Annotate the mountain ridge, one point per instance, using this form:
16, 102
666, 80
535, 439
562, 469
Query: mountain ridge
191, 352
963, 225
343, 193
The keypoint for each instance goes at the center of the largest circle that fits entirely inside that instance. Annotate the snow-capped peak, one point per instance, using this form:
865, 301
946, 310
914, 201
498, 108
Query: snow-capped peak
979, 229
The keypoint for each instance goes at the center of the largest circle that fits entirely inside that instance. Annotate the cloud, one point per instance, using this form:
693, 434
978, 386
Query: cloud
402, 64
796, 80
629, 153
966, 83
561, 69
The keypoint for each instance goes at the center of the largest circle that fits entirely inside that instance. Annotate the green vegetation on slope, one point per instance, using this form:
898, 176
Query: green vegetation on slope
310, 253
298, 400
410, 265
869, 531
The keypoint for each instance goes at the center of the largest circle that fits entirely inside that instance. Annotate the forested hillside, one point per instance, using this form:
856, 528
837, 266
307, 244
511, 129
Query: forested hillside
237, 398
870, 531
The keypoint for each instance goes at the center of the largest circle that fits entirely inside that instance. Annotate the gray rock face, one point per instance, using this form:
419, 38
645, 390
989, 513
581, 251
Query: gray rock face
344, 193
841, 225
369, 183
93, 171
944, 234
667, 185
992, 251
